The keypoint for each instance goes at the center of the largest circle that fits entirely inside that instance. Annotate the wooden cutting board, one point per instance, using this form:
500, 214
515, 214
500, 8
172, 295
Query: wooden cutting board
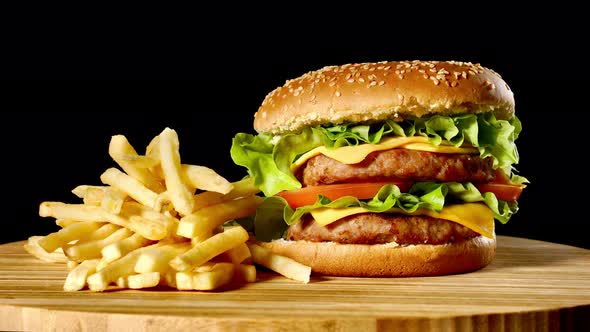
531, 285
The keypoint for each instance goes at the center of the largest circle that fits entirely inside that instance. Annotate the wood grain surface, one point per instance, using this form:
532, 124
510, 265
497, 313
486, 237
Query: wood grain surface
530, 286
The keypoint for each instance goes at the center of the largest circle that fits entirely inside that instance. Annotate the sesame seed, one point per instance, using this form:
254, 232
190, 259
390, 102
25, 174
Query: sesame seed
373, 83
362, 80
338, 94
454, 84
381, 82
350, 80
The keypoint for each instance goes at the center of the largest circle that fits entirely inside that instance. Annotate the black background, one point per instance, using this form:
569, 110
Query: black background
73, 91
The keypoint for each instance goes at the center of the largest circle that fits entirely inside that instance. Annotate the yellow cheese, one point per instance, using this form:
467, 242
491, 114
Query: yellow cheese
475, 216
356, 154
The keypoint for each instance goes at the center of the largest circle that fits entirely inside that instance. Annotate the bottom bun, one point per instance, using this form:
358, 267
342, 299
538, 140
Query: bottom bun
388, 260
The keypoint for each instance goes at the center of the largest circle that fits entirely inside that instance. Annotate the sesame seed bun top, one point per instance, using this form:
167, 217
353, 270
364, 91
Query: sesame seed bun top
368, 92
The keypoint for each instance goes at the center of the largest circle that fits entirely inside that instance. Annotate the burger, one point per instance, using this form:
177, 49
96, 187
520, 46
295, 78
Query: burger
385, 169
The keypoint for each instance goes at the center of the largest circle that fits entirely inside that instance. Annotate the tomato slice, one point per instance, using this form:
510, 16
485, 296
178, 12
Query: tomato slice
308, 195
502, 187
500, 177
504, 192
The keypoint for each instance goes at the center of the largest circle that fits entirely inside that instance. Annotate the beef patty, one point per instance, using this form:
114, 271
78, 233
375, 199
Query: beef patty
398, 164
377, 228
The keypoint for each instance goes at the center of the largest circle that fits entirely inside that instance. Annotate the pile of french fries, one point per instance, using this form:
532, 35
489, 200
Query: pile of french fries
157, 222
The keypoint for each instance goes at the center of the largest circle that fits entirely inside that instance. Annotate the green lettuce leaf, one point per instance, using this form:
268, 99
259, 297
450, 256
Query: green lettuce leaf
275, 215
269, 159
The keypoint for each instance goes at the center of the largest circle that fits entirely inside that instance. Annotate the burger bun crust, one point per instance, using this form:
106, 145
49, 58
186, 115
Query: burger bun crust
368, 92
388, 260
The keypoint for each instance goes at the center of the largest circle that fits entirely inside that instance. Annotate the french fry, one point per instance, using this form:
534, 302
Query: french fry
139, 161
163, 202
280, 264
221, 274
125, 155
153, 148
239, 253
180, 195
64, 222
62, 237
112, 200
76, 278
91, 195
78, 212
122, 267
152, 151
145, 227
138, 281
32, 247
205, 267
169, 279
213, 246
204, 178
101, 264
92, 249
119, 249
101, 233
157, 260
71, 264
148, 228
129, 185
242, 188
245, 272
150, 224
204, 221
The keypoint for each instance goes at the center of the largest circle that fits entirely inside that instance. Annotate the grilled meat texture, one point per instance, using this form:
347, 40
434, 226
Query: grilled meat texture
377, 228
398, 164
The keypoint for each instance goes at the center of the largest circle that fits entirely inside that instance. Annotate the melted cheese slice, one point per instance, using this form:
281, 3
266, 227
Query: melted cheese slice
356, 154
475, 216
